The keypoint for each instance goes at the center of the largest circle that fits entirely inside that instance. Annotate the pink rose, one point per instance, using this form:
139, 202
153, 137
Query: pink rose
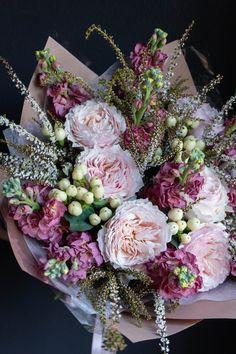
137, 233
175, 274
213, 205
94, 124
210, 246
116, 168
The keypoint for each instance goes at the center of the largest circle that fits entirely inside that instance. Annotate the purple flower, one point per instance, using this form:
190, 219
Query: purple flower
193, 185
65, 96
53, 211
158, 59
78, 256
165, 190
175, 274
232, 198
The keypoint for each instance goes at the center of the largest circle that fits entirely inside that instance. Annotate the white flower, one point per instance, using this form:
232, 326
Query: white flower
212, 208
94, 124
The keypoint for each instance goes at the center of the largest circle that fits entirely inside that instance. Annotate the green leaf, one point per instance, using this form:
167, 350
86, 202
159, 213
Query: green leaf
100, 203
80, 223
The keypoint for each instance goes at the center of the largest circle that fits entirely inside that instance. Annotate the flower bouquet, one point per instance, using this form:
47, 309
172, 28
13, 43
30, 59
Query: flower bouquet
121, 192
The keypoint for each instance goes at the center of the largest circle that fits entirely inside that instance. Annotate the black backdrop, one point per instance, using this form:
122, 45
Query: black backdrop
31, 321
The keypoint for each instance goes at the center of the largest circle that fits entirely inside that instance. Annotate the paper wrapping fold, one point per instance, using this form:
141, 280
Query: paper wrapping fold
185, 315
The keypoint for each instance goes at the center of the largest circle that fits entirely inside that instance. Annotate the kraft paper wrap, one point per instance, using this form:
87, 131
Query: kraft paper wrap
220, 303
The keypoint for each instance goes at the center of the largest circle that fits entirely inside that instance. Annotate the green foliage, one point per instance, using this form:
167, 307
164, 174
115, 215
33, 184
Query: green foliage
80, 223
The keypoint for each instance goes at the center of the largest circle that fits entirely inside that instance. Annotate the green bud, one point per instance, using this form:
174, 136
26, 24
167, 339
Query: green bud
12, 187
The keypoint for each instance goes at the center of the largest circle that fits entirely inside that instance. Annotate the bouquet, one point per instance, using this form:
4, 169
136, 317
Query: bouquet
121, 191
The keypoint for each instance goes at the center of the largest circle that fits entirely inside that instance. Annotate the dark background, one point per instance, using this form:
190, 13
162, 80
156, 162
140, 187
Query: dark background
31, 321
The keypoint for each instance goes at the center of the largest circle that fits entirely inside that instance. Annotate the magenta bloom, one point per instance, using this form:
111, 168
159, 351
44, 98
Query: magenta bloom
232, 198
140, 135
165, 190
175, 274
150, 61
37, 192
79, 255
193, 185
53, 211
65, 96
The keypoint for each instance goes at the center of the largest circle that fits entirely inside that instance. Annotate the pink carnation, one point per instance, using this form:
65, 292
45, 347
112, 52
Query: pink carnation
116, 168
210, 246
175, 274
232, 198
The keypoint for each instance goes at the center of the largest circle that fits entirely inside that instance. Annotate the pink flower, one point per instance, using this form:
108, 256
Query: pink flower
206, 114
53, 211
139, 135
210, 246
94, 124
79, 255
136, 233
29, 223
65, 96
175, 274
166, 189
116, 168
232, 198
193, 185
213, 205
150, 61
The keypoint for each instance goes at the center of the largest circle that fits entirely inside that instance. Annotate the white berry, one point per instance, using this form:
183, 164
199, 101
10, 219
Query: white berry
185, 238
64, 183
175, 214
98, 192
171, 122
75, 208
71, 191
174, 228
77, 175
60, 133
105, 214
183, 131
193, 224
200, 144
182, 225
88, 198
177, 143
189, 145
94, 219
82, 167
95, 181
115, 202
80, 192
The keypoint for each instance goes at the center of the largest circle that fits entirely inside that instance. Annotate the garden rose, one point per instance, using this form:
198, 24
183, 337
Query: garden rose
116, 168
210, 246
212, 207
94, 124
137, 233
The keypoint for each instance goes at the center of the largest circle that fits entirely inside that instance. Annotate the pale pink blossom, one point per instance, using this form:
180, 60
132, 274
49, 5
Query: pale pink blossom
210, 246
116, 168
136, 234
94, 124
212, 206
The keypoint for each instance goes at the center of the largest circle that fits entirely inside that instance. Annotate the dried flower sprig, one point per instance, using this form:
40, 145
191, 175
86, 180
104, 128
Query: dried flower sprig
43, 119
159, 308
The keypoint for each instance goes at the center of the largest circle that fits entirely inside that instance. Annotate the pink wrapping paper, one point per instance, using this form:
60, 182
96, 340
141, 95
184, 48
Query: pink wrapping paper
215, 306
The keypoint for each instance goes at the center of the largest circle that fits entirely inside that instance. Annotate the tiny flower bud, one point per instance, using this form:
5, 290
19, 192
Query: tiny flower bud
60, 133
77, 175
45, 131
182, 225
193, 224
95, 181
175, 214
71, 191
185, 238
63, 184
82, 167
80, 192
195, 124
200, 144
171, 122
174, 228
115, 202
98, 192
105, 214
88, 198
189, 145
57, 194
75, 208
14, 201
177, 143
94, 219
182, 132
